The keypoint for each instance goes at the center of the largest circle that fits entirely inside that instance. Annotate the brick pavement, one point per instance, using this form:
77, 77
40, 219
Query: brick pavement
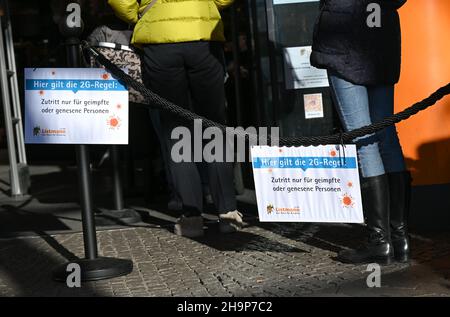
262, 260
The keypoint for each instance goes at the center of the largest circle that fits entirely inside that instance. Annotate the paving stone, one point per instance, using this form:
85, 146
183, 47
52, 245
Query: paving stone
270, 265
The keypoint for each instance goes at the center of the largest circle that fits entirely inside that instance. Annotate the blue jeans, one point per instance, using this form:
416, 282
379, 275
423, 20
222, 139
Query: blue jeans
358, 106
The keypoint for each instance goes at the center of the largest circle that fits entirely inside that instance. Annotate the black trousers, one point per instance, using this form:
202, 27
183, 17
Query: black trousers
190, 75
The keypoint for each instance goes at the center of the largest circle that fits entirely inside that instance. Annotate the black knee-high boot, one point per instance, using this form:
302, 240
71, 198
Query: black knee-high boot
375, 194
400, 192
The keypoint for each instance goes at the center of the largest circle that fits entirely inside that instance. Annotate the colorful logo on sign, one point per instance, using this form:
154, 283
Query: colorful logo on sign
36, 131
114, 122
347, 201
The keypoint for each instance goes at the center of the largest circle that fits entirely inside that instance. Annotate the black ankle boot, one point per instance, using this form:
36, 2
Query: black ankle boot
375, 193
400, 192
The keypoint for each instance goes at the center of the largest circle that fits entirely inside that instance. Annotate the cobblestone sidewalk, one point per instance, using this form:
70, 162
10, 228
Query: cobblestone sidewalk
262, 260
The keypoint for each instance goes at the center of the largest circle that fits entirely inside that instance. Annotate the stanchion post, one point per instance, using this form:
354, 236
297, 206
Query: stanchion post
119, 215
84, 178
84, 175
118, 194
92, 268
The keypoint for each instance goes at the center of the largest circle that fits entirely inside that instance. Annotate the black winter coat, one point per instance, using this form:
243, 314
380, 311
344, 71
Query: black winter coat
344, 43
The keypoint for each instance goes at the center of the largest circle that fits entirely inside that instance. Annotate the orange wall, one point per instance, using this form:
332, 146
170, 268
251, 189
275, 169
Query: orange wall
425, 67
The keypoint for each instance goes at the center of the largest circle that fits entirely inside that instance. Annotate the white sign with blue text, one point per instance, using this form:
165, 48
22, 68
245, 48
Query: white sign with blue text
307, 184
74, 106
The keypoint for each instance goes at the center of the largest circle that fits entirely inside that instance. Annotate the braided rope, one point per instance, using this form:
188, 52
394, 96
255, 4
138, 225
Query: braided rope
154, 100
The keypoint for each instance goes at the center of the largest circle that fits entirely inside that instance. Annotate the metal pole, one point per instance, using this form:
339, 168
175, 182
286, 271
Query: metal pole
14, 173
89, 234
237, 63
119, 215
256, 64
271, 36
93, 268
118, 195
14, 89
84, 175
239, 183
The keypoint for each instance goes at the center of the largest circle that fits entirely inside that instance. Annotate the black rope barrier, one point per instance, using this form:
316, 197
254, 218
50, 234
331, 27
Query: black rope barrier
157, 101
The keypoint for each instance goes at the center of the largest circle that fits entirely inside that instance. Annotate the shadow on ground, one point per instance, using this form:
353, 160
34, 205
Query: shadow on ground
28, 265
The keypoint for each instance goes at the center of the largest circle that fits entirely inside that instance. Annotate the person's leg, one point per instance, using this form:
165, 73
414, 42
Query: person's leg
206, 79
175, 202
352, 104
353, 109
166, 74
381, 99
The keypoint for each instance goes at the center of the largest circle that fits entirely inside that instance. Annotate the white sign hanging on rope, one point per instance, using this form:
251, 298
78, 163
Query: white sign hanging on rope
74, 106
307, 184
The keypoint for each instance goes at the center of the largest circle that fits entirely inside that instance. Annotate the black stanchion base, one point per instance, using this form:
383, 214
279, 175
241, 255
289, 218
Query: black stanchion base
117, 217
97, 269
16, 198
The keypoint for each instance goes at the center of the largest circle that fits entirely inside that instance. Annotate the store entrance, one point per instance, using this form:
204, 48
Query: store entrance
270, 42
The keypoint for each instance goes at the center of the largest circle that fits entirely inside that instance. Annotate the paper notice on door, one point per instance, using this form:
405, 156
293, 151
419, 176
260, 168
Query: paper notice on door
299, 74
313, 106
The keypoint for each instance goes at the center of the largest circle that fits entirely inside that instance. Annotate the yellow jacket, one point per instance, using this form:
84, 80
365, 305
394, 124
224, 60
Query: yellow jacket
173, 21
